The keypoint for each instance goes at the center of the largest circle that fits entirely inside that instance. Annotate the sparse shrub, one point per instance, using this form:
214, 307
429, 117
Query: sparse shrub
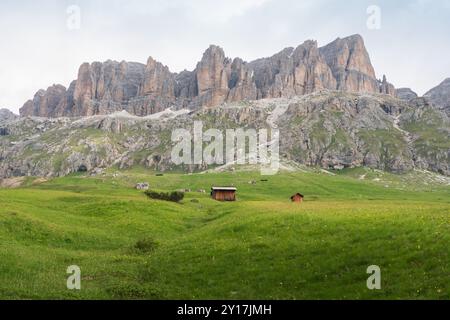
146, 245
153, 194
175, 196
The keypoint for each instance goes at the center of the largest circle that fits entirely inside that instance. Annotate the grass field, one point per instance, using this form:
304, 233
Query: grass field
260, 247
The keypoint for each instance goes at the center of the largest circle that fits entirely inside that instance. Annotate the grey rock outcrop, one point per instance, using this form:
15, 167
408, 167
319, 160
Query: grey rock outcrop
327, 129
6, 115
406, 94
440, 95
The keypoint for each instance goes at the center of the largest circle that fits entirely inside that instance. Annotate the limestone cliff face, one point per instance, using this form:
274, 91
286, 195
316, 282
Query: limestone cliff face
105, 88
212, 74
351, 66
241, 84
156, 90
292, 72
219, 79
46, 103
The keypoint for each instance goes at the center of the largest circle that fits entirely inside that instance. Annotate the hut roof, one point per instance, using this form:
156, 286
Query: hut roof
224, 189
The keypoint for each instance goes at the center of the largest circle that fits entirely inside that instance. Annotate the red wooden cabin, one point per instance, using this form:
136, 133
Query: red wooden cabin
223, 193
298, 198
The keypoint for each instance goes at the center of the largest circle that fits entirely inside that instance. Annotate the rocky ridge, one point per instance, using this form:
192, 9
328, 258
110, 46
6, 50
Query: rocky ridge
6, 115
406, 94
143, 89
326, 129
440, 95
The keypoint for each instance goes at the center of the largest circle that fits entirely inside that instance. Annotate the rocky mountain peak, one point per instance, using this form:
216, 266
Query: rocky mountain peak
311, 43
349, 54
151, 62
440, 95
213, 50
7, 115
442, 88
406, 94
46, 103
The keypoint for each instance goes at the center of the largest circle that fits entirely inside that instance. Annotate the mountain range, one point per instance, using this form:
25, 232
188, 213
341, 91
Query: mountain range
104, 88
331, 110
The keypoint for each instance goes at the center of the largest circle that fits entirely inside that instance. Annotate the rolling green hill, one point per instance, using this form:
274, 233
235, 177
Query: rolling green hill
260, 247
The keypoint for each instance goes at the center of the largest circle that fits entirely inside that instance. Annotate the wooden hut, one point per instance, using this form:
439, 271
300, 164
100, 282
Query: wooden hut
223, 193
298, 198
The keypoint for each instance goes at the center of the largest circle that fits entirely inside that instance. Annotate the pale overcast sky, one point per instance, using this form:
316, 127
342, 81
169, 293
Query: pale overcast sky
38, 49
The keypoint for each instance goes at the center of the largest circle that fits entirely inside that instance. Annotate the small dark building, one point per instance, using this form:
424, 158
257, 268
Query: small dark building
298, 198
223, 193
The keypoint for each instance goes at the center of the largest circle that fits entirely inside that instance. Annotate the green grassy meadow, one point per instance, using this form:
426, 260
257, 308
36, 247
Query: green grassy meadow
260, 247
